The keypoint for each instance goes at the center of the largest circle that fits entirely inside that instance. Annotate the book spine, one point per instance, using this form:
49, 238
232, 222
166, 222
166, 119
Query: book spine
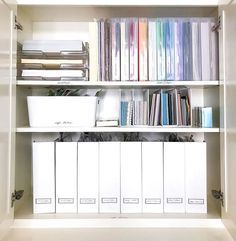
142, 49
102, 51
115, 36
178, 50
124, 49
169, 41
161, 62
133, 47
196, 51
205, 50
152, 50
187, 36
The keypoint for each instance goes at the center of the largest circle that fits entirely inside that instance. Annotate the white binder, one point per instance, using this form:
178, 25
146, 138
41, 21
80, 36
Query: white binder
109, 177
66, 177
87, 177
152, 177
43, 177
131, 177
174, 175
195, 177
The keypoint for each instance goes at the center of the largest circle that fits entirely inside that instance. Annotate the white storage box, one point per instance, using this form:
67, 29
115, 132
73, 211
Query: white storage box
47, 111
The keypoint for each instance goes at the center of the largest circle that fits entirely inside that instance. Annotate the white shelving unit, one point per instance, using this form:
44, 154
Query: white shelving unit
45, 22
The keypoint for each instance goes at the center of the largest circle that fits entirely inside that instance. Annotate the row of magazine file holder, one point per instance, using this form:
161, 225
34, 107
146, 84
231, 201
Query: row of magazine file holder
119, 177
54, 60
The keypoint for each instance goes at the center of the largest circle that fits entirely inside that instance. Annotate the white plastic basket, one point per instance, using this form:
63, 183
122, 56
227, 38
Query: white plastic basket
51, 111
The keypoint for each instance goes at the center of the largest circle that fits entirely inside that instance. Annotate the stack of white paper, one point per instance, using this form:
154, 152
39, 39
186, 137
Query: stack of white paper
41, 73
53, 46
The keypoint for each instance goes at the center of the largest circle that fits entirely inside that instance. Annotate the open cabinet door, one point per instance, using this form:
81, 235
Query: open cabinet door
7, 114
228, 94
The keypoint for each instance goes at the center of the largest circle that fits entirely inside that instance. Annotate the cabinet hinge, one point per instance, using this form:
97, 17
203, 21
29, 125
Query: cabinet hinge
16, 195
17, 25
217, 26
219, 196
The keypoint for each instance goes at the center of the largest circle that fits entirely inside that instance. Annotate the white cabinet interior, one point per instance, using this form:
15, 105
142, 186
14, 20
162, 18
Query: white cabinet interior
64, 22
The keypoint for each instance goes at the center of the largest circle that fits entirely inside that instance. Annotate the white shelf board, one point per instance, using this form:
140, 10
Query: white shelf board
24, 218
119, 84
119, 223
159, 129
122, 2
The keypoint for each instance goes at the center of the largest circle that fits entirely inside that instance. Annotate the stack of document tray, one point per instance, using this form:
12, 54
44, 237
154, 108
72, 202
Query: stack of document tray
54, 60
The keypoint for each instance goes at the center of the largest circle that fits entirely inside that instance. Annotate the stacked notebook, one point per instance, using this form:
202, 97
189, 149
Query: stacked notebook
134, 107
142, 49
54, 59
171, 107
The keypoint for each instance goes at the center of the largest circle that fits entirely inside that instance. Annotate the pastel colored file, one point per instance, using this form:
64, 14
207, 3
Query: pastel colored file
133, 48
43, 177
152, 50
195, 177
109, 177
205, 47
196, 51
161, 55
124, 29
152, 177
174, 177
178, 40
88, 177
143, 49
66, 177
115, 49
131, 196
170, 57
187, 44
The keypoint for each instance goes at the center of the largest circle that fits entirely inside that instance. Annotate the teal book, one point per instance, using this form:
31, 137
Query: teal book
165, 111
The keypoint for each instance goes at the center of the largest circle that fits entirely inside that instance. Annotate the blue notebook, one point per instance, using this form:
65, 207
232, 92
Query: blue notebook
165, 112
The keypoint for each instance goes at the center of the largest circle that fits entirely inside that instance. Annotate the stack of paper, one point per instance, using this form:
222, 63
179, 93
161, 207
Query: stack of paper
53, 46
54, 59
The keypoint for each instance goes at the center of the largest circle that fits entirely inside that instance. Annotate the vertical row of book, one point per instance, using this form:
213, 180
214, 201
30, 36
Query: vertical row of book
151, 49
167, 107
134, 108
